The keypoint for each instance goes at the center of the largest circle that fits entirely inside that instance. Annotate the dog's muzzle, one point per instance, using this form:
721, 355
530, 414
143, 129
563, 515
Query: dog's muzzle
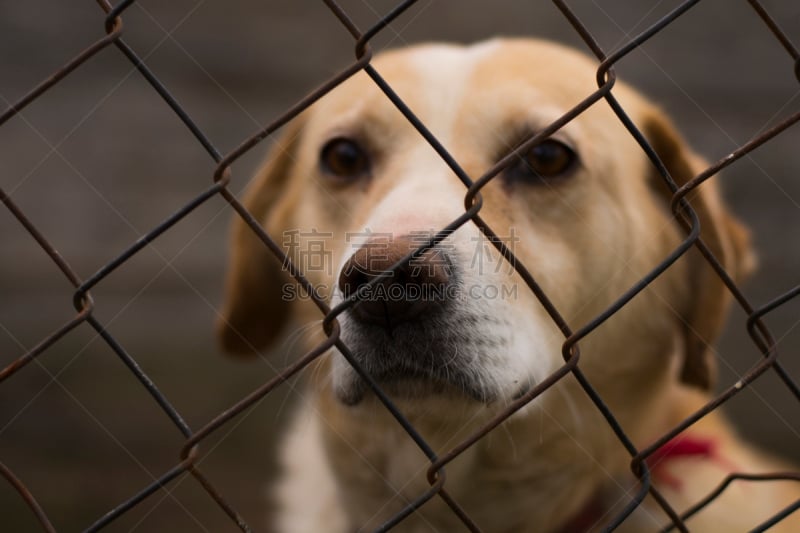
406, 328
413, 328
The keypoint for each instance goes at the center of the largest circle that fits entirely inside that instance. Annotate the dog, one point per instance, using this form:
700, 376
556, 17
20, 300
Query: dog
587, 214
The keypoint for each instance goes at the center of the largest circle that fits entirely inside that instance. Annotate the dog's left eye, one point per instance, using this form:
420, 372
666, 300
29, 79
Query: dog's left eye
344, 159
548, 159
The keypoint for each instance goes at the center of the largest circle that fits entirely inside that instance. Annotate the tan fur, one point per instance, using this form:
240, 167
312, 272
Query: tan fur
586, 239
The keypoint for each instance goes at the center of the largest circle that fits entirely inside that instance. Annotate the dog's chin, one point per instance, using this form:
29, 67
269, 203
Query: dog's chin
409, 386
453, 354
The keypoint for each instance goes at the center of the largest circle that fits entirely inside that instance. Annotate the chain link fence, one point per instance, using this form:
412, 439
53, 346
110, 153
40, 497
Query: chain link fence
195, 440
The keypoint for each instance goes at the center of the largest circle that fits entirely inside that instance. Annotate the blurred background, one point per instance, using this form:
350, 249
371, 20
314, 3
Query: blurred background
100, 160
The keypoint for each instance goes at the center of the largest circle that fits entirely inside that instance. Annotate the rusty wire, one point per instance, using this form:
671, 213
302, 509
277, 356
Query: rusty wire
190, 452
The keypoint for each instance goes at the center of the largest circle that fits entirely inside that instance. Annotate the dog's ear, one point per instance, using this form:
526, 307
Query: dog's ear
254, 311
704, 316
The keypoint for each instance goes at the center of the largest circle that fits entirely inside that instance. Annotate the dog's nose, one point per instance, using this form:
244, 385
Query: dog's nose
415, 286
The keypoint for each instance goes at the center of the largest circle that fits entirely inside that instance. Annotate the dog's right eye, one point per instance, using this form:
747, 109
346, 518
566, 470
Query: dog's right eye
548, 160
344, 159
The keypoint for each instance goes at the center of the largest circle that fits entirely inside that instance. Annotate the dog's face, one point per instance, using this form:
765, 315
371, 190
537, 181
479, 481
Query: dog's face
584, 211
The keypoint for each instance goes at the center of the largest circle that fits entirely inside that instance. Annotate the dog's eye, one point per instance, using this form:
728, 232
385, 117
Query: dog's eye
344, 158
548, 159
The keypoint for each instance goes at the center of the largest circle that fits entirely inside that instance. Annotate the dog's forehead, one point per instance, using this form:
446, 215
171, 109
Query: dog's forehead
490, 64
491, 82
430, 79
552, 72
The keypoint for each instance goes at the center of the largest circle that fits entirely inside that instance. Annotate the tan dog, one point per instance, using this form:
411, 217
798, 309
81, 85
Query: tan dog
584, 211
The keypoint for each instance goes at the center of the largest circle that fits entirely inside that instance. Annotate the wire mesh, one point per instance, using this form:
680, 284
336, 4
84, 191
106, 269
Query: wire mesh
219, 186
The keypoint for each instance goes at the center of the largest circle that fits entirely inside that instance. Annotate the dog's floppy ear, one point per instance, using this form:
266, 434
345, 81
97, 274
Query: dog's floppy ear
254, 311
704, 316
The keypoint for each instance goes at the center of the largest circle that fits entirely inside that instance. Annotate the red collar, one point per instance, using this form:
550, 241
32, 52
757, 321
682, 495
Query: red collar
593, 513
679, 446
